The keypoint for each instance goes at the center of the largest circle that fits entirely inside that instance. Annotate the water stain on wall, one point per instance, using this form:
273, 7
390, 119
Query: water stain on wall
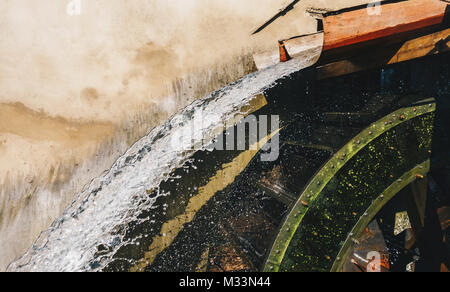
77, 91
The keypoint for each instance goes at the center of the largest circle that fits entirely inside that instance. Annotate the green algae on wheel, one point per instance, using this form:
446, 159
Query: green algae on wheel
357, 181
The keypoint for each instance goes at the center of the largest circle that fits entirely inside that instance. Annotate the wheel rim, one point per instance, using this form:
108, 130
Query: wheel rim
318, 231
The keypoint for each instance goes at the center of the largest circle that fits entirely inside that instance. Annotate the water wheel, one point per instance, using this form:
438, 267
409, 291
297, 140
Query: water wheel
351, 189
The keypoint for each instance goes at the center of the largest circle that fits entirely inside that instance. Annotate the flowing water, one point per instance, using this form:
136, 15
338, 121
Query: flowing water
101, 212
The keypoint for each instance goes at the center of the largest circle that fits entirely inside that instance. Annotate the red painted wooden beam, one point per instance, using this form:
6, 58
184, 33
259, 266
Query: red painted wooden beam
358, 26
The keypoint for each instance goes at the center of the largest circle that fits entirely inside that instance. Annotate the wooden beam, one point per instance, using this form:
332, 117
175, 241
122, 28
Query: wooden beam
358, 26
304, 46
427, 45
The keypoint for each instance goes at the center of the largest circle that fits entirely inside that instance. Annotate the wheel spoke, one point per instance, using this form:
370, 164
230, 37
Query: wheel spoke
415, 199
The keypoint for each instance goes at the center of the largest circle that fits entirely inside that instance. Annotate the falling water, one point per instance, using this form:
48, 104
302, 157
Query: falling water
117, 198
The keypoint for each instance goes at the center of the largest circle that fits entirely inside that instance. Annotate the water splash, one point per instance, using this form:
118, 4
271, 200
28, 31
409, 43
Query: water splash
101, 212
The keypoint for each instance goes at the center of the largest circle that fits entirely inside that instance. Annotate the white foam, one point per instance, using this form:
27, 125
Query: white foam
120, 196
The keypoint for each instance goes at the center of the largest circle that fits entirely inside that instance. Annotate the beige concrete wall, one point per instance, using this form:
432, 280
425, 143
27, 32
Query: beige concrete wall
76, 91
